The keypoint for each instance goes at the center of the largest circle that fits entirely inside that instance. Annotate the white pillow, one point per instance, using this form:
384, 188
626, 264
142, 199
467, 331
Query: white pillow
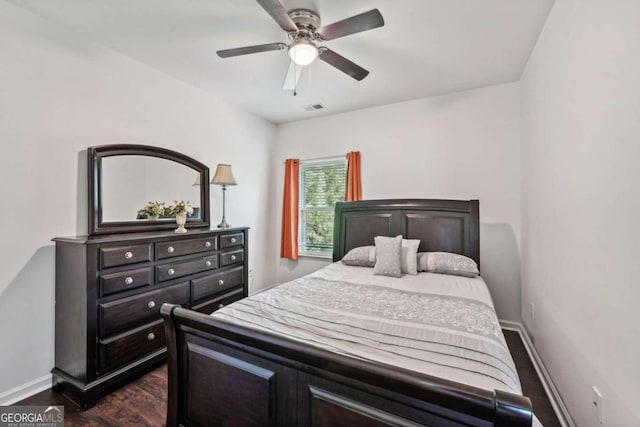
447, 263
363, 256
409, 256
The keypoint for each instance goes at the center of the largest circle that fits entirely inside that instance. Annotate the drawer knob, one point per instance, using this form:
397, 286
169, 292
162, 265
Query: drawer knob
170, 249
128, 280
233, 240
128, 255
221, 305
151, 304
171, 272
207, 244
220, 282
151, 336
208, 263
233, 257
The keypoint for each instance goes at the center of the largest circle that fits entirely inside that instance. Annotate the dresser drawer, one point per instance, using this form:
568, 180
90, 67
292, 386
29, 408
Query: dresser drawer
229, 240
209, 307
127, 312
185, 247
233, 257
123, 349
123, 255
210, 285
184, 268
125, 280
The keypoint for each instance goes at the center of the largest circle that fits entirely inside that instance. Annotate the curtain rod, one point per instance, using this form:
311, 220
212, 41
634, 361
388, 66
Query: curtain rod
322, 159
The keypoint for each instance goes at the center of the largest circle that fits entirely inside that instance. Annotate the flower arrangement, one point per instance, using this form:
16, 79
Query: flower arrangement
152, 210
180, 207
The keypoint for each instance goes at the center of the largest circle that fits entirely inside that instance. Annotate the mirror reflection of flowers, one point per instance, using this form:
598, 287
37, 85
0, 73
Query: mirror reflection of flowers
152, 210
180, 207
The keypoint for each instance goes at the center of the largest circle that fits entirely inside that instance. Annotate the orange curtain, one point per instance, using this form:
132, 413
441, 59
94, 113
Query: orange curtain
289, 238
354, 183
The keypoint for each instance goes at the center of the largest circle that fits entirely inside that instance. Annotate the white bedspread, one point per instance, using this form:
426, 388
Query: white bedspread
437, 324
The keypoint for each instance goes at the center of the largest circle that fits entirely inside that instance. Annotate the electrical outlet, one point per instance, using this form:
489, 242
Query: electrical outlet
597, 402
532, 310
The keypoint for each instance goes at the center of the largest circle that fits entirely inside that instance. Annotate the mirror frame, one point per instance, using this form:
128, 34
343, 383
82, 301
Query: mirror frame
96, 154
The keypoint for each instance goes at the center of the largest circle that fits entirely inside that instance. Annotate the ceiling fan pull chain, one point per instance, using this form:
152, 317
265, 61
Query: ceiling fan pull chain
295, 81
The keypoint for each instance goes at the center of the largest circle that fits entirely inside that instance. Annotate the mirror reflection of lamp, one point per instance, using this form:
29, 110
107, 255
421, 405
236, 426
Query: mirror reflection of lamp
197, 181
223, 177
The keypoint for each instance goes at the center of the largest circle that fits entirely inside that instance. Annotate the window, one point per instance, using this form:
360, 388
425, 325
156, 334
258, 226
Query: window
322, 184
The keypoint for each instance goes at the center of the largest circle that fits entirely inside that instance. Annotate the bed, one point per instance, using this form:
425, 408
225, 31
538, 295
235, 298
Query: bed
323, 350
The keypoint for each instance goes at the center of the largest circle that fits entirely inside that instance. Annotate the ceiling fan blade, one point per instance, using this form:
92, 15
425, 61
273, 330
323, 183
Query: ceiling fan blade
343, 64
228, 53
356, 24
292, 77
279, 14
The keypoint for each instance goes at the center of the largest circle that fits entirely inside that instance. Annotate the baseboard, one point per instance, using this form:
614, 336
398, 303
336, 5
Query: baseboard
23, 391
549, 387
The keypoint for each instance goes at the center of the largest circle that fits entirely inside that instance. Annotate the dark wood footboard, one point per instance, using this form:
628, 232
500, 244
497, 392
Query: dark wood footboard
226, 375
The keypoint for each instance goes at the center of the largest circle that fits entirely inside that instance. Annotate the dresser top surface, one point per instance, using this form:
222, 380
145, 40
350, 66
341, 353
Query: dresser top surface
146, 235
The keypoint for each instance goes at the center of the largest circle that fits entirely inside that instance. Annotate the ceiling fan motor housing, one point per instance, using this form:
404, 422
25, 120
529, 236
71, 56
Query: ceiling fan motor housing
305, 20
303, 50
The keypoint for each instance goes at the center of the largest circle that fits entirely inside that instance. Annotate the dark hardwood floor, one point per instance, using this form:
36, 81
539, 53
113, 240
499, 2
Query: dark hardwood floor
142, 402
531, 385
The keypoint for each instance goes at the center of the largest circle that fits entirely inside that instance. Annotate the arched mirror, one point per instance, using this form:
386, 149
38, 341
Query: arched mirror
124, 178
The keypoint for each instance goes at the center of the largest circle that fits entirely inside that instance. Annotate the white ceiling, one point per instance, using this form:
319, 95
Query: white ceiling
426, 48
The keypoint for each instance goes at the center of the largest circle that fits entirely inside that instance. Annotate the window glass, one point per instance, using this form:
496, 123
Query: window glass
322, 184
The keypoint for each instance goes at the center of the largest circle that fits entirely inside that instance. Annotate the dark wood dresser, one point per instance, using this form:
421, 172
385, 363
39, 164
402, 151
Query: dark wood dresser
109, 290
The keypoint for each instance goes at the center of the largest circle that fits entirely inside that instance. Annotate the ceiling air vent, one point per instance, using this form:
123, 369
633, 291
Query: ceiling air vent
314, 107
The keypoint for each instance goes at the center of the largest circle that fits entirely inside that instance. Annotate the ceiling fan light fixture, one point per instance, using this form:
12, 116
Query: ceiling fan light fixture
303, 52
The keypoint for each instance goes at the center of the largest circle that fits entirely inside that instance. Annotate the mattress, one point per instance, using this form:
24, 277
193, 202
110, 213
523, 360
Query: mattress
441, 325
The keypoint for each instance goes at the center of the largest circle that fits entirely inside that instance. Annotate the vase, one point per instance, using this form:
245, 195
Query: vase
152, 217
181, 220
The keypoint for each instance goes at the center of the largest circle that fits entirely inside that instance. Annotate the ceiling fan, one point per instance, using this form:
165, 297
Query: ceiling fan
303, 28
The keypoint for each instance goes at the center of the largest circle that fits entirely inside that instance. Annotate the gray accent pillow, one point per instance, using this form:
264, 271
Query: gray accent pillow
363, 256
408, 256
447, 263
388, 250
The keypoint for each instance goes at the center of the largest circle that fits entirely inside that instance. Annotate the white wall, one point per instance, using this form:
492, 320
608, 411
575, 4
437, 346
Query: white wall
60, 93
465, 145
580, 157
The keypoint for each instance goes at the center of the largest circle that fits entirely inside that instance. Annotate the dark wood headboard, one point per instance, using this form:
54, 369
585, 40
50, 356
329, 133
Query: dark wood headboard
441, 225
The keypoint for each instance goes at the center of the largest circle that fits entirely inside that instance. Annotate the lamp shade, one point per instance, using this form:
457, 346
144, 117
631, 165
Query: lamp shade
197, 181
223, 176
